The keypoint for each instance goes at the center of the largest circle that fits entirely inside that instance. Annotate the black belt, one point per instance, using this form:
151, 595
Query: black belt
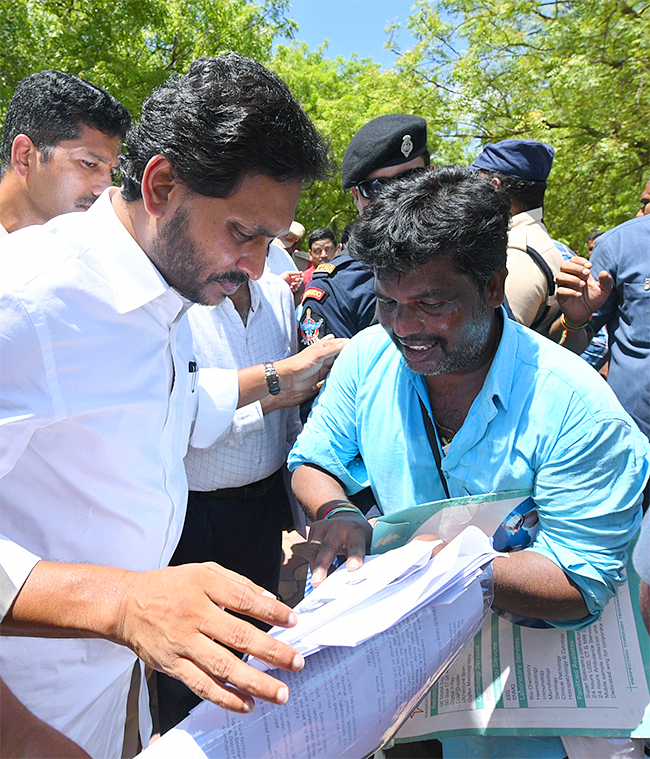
246, 492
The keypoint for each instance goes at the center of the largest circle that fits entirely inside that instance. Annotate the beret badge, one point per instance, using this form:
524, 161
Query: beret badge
407, 145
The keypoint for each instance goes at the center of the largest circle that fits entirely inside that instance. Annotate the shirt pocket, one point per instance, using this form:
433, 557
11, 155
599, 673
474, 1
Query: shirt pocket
635, 311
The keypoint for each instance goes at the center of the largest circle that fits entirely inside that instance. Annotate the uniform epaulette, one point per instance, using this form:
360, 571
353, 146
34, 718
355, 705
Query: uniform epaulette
325, 268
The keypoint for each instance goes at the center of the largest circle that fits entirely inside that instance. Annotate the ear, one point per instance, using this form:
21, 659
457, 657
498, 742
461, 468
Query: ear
495, 290
355, 196
496, 182
24, 155
159, 186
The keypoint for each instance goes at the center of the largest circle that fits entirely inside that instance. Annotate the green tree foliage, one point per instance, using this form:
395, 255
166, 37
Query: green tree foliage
341, 96
569, 72
130, 46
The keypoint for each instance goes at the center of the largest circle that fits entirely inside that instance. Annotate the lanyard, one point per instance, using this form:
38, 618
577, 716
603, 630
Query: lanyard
433, 442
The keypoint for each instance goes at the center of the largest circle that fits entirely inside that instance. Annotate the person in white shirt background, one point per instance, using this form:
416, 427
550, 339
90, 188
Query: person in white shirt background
100, 392
60, 145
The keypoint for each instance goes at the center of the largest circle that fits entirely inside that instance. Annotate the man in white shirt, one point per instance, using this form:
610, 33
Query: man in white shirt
100, 392
60, 145
237, 505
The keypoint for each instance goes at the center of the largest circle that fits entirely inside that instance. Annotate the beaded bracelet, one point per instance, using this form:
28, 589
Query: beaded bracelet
342, 508
335, 505
573, 329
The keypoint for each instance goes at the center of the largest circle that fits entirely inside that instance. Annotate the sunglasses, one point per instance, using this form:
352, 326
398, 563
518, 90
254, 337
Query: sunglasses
368, 188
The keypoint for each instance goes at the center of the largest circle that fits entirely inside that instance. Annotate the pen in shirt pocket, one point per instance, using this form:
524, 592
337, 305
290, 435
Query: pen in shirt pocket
194, 371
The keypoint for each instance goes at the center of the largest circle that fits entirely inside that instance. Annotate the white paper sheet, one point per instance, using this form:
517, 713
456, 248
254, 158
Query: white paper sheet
350, 699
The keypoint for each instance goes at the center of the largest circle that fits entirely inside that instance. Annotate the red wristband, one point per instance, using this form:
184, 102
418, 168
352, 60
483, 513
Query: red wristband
335, 505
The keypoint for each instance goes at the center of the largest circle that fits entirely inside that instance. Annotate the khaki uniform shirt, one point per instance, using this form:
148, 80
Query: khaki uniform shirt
526, 286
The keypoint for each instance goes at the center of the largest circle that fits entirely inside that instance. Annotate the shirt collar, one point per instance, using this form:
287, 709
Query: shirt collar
133, 278
256, 299
532, 216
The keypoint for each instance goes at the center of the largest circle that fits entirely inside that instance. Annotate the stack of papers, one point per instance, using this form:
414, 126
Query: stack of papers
375, 639
350, 607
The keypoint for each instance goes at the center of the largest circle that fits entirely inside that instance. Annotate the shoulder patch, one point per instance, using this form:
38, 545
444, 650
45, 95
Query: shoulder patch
316, 293
326, 268
312, 327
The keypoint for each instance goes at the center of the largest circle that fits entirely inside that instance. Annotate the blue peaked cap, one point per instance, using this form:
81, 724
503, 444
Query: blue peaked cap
526, 159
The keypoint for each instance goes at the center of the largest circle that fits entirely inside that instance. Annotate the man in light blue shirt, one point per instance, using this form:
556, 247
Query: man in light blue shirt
510, 410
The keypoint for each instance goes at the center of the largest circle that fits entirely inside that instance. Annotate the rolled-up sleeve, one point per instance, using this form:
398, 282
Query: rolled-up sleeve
218, 397
16, 564
589, 497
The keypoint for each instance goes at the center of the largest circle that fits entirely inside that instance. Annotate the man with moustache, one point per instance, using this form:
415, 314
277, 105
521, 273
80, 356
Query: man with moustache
100, 394
60, 145
447, 397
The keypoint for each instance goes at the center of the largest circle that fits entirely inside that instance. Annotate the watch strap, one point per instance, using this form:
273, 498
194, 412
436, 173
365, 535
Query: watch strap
272, 379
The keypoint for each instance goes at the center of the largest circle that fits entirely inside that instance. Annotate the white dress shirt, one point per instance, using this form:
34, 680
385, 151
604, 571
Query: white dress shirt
96, 407
254, 445
278, 260
16, 564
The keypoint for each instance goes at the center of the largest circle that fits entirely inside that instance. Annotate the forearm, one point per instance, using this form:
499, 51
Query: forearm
252, 385
68, 600
299, 373
23, 734
316, 489
530, 585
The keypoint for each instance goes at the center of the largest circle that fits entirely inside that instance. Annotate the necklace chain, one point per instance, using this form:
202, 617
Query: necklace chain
446, 438
442, 427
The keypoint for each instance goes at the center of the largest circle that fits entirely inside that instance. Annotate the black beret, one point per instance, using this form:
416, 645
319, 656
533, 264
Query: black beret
526, 159
385, 141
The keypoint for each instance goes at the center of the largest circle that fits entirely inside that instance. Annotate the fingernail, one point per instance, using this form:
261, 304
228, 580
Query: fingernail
268, 594
282, 695
354, 564
248, 706
293, 619
317, 577
298, 662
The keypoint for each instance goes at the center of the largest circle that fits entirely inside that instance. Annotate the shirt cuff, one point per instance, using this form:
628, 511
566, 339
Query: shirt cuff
218, 397
246, 420
16, 564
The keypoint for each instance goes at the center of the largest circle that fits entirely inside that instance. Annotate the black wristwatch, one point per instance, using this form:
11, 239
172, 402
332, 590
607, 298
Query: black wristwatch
272, 379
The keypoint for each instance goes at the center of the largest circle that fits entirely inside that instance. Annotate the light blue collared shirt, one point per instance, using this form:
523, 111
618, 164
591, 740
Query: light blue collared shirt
543, 420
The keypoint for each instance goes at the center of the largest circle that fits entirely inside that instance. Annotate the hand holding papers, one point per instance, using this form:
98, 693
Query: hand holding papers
350, 607
378, 638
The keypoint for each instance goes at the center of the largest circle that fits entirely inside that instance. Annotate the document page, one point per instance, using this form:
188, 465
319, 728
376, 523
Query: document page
347, 702
512, 679
351, 698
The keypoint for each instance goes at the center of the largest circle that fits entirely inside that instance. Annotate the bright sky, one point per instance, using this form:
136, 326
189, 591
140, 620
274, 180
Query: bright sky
350, 26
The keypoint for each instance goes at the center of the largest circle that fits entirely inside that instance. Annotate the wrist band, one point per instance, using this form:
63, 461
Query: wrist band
343, 505
335, 505
573, 329
343, 509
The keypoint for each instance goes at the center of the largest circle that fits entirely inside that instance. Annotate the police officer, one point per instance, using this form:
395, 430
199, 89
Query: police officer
521, 168
340, 298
